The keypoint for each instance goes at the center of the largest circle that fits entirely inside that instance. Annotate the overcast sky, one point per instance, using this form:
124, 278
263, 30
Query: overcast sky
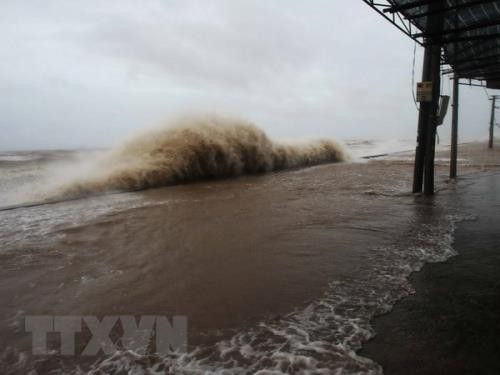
86, 73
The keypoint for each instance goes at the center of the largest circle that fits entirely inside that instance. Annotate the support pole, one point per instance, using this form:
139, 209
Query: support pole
427, 116
454, 129
492, 121
423, 114
430, 145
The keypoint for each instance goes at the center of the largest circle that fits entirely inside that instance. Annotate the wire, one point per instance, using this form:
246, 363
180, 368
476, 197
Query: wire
486, 92
413, 78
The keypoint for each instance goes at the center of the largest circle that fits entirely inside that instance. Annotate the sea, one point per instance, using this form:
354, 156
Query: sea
278, 255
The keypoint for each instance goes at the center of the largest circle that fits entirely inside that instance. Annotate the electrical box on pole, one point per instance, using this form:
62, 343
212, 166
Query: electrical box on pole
444, 100
424, 91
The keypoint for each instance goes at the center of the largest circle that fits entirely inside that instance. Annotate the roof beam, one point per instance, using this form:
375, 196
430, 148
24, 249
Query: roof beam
480, 58
471, 45
463, 39
478, 73
472, 84
448, 9
492, 78
474, 50
478, 50
403, 25
474, 67
474, 26
399, 8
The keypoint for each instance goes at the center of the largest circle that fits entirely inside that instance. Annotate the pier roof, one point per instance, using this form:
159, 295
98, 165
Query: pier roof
469, 32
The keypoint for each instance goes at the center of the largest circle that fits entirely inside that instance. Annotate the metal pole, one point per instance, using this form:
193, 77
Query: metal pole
427, 117
454, 129
435, 26
492, 121
423, 114
432, 121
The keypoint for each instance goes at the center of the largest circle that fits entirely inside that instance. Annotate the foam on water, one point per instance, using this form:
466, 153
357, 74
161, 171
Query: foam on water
363, 148
15, 158
321, 338
19, 229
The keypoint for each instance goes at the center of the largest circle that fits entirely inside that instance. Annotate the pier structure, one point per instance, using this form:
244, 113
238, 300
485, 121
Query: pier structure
460, 38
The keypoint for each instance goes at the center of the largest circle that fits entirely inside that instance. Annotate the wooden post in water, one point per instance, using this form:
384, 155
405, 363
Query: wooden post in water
454, 129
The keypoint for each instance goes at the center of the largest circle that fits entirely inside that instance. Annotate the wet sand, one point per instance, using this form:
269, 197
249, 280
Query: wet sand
451, 324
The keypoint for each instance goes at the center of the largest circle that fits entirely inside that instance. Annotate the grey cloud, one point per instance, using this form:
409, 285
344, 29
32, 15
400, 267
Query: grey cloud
85, 73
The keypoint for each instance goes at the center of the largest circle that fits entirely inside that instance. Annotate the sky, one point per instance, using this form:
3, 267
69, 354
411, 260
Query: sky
78, 74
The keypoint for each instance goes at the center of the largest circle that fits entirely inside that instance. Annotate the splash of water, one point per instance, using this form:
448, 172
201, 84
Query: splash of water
195, 148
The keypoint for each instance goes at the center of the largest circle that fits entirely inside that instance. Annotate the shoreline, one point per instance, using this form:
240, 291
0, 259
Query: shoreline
450, 324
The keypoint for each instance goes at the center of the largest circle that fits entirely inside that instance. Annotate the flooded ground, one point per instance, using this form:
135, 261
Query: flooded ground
275, 272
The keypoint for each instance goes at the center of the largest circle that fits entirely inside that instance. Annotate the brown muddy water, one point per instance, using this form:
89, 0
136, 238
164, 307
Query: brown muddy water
276, 273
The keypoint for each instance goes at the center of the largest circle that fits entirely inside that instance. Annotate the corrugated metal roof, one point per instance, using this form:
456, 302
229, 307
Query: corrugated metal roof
468, 30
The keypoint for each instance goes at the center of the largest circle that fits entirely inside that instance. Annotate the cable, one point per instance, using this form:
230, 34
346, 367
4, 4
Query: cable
413, 77
486, 92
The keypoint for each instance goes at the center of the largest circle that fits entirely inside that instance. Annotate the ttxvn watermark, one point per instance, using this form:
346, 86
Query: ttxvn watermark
136, 334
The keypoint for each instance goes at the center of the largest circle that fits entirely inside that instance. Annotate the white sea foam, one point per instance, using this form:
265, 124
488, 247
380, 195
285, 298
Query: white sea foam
322, 338
363, 148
